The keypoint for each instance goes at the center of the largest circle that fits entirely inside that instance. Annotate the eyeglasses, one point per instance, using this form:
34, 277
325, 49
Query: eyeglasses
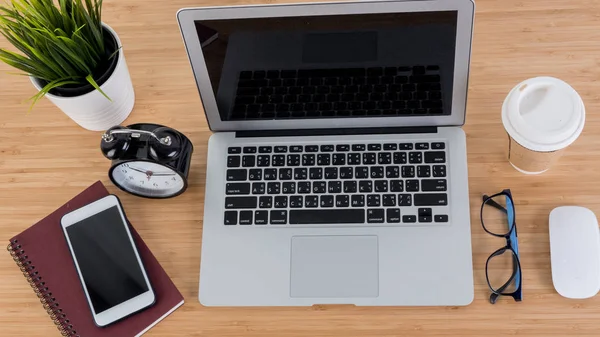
502, 268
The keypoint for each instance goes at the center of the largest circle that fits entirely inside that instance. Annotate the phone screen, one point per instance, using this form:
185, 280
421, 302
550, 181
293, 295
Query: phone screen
106, 257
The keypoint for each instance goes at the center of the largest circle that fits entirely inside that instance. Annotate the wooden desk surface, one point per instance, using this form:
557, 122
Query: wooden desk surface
45, 159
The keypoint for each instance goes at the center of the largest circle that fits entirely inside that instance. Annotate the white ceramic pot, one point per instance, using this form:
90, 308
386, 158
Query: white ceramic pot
93, 111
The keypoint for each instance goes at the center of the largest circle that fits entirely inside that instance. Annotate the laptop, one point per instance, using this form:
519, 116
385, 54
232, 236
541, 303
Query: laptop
337, 171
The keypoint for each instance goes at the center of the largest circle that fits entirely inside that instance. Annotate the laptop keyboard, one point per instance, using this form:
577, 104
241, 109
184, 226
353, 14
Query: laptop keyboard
349, 92
372, 183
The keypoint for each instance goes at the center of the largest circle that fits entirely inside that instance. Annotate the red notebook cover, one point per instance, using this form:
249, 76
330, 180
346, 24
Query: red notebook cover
42, 253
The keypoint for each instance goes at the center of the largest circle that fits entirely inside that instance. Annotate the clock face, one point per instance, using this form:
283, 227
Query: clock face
147, 179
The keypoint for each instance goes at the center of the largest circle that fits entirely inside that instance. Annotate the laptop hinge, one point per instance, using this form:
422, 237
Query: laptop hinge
335, 132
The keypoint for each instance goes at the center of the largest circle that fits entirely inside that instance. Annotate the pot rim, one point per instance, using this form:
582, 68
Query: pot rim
120, 62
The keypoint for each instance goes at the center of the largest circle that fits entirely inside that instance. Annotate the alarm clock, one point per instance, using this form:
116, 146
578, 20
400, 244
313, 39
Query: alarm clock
148, 160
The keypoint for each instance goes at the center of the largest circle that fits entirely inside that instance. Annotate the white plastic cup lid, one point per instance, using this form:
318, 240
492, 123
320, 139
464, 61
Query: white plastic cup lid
543, 114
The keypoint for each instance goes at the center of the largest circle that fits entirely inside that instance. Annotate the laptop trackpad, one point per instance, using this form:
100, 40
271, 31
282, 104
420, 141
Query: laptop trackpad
334, 266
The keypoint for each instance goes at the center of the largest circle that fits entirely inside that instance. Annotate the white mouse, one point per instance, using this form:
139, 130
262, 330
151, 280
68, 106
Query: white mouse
575, 251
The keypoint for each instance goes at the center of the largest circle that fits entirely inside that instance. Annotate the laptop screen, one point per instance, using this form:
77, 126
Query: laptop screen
336, 66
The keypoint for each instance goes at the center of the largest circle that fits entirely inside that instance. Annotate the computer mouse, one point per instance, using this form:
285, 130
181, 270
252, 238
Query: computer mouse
575, 251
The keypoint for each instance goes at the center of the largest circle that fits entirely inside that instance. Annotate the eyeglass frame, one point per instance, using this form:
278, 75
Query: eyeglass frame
511, 244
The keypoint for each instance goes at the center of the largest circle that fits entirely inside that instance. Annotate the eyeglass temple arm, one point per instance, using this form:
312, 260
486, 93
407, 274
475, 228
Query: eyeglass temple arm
491, 202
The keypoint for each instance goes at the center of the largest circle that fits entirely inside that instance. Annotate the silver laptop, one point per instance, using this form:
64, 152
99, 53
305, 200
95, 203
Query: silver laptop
337, 171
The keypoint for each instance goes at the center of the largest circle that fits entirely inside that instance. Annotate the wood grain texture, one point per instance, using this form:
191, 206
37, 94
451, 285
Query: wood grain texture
45, 159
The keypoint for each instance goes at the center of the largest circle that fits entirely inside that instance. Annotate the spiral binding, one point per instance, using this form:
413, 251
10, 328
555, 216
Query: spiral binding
35, 281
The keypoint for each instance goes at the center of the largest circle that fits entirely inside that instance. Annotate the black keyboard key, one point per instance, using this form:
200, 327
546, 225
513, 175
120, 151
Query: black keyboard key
246, 217
404, 200
384, 158
233, 161
230, 218
392, 172
285, 174
237, 174
342, 200
358, 147
326, 201
389, 200
374, 147
362, 172
393, 215
311, 148
280, 202
424, 211
234, 150
422, 146
373, 200
263, 160
334, 187
438, 146
323, 159
281, 149
346, 173
304, 187
245, 75
390, 147
415, 157
327, 148
381, 185
270, 174
439, 170
288, 187
431, 199
278, 160
441, 218
339, 159
293, 159
399, 157
405, 146
353, 158
330, 216
377, 172
311, 201
342, 148
424, 218
250, 149
315, 173
319, 187
408, 171
258, 188
350, 186
265, 149
261, 217
296, 201
331, 173
308, 160
431, 185
435, 157
265, 202
409, 218
278, 217
237, 188
274, 187
248, 161
369, 158
412, 185
365, 186
300, 173
240, 202
423, 171
375, 215
296, 148
396, 186
358, 200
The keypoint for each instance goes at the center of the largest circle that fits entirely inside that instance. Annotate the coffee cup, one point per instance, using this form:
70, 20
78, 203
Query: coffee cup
542, 117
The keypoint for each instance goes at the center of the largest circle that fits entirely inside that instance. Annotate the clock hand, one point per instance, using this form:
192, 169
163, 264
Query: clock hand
137, 169
163, 174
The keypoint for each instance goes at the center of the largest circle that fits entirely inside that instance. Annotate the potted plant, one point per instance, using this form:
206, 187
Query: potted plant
71, 57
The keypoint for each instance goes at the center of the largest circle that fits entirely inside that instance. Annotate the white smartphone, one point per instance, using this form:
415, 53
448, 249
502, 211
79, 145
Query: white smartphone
109, 266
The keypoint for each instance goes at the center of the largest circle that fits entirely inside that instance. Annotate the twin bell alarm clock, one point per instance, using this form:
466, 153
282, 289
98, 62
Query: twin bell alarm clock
148, 160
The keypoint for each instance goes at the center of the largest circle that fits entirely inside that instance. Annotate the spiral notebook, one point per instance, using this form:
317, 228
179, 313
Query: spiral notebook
42, 254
